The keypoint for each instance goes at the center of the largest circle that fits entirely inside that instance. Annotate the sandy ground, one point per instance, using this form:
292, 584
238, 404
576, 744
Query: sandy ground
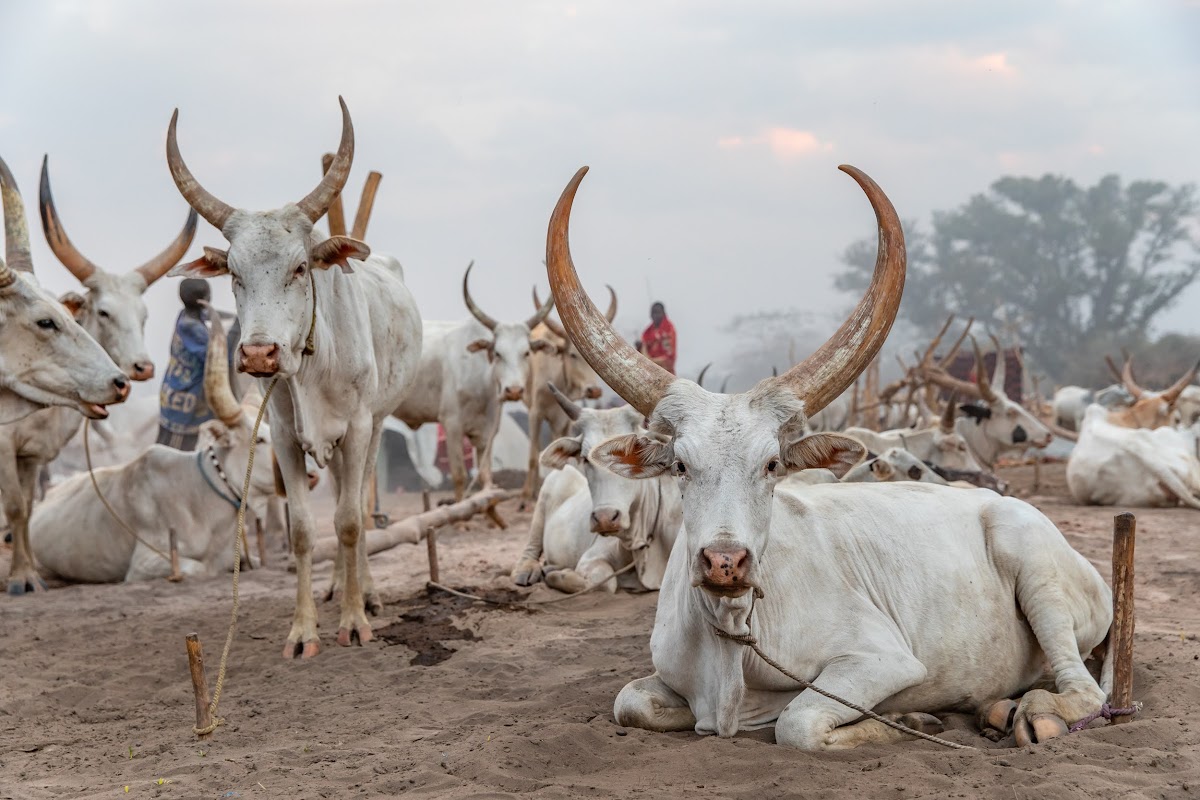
460, 701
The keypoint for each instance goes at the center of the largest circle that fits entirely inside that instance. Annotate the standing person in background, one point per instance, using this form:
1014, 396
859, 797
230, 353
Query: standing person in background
658, 340
182, 405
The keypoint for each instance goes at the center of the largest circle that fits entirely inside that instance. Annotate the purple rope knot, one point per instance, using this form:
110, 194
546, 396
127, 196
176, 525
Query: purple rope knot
1106, 711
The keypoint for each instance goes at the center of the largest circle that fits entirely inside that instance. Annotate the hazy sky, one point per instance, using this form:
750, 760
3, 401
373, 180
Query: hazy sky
713, 130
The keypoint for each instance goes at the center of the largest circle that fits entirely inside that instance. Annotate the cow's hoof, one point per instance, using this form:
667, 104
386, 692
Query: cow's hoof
1039, 728
20, 585
924, 723
996, 719
302, 650
527, 572
373, 604
359, 633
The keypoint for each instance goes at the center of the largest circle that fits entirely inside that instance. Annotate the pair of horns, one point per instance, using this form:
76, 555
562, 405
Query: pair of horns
314, 205
816, 381
490, 323
1170, 394
17, 256
83, 268
557, 329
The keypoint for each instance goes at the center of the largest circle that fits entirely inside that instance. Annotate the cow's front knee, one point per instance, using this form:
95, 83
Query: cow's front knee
650, 704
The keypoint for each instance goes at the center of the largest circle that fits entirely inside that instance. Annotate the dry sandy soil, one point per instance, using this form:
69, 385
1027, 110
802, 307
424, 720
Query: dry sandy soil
457, 700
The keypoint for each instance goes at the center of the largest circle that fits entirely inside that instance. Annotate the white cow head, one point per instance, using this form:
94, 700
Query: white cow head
1004, 423
112, 311
510, 347
952, 449
46, 357
579, 379
728, 452
612, 495
271, 256
1149, 409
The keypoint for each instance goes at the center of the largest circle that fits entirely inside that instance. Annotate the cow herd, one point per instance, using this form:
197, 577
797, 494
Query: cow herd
881, 562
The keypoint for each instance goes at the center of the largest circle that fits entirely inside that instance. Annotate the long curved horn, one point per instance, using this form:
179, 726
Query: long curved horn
631, 375
1000, 370
16, 231
1127, 379
981, 378
1113, 369
703, 372
199, 198
569, 406
947, 419
216, 376
1172, 394
540, 316
161, 264
317, 202
611, 314
549, 322
475, 310
56, 235
825, 374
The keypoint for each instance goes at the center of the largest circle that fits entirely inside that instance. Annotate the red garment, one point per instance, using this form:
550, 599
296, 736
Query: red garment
658, 341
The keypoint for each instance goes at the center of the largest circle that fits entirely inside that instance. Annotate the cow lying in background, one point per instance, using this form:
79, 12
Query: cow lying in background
940, 444
897, 464
589, 522
1112, 465
74, 537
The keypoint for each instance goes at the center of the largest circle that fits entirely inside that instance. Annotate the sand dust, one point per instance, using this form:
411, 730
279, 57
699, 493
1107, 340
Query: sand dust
459, 701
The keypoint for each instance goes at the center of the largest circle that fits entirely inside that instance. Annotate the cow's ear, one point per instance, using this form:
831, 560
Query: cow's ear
74, 303
486, 345
635, 455
216, 432
337, 250
540, 345
830, 451
561, 452
212, 264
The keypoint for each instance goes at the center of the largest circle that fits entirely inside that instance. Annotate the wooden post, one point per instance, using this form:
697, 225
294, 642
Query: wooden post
176, 576
365, 205
199, 683
337, 216
431, 542
1124, 533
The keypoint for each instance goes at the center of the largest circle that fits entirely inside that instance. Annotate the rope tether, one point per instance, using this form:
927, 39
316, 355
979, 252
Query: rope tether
87, 453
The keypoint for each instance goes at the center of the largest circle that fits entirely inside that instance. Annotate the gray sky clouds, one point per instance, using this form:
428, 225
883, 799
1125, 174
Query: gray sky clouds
713, 130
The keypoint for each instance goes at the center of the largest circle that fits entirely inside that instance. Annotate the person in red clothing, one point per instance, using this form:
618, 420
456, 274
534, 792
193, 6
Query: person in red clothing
658, 340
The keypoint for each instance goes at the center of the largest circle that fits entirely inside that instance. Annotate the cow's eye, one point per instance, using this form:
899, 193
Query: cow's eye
47, 324
680, 468
773, 466
103, 314
299, 271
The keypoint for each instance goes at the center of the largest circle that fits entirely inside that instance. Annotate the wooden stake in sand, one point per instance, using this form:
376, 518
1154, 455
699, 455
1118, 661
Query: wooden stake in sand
1124, 533
176, 576
199, 684
431, 540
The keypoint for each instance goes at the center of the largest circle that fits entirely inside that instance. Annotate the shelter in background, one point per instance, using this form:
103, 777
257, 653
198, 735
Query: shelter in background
963, 368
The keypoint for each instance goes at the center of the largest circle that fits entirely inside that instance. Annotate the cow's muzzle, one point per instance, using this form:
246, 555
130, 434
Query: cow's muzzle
511, 394
142, 370
260, 360
606, 520
592, 393
725, 569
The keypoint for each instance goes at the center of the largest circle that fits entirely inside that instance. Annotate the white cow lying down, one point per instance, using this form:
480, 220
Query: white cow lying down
1112, 465
74, 537
589, 524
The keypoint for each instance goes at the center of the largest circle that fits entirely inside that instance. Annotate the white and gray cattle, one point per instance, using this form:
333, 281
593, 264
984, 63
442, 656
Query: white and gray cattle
1070, 402
468, 370
1150, 409
46, 357
848, 583
163, 490
565, 368
338, 335
940, 444
114, 314
588, 522
1113, 465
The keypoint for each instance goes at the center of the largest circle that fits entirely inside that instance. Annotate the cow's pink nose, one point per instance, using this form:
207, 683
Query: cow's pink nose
606, 520
260, 360
313, 480
725, 566
514, 393
143, 370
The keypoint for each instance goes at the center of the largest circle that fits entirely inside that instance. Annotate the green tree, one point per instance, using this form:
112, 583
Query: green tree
1070, 270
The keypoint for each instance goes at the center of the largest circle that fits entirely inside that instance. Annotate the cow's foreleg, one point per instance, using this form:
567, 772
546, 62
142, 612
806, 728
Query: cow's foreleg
371, 599
349, 466
22, 575
483, 449
651, 704
455, 455
302, 640
528, 569
814, 722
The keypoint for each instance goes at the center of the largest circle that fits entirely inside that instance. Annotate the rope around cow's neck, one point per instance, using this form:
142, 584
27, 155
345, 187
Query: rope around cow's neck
87, 454
237, 561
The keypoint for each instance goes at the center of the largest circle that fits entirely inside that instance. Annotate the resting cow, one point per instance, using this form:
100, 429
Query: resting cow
195, 495
588, 522
940, 444
902, 597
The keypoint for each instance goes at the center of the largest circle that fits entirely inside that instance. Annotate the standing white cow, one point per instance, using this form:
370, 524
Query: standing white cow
339, 335
46, 357
114, 314
469, 369
565, 368
1114, 465
163, 490
848, 583
589, 522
